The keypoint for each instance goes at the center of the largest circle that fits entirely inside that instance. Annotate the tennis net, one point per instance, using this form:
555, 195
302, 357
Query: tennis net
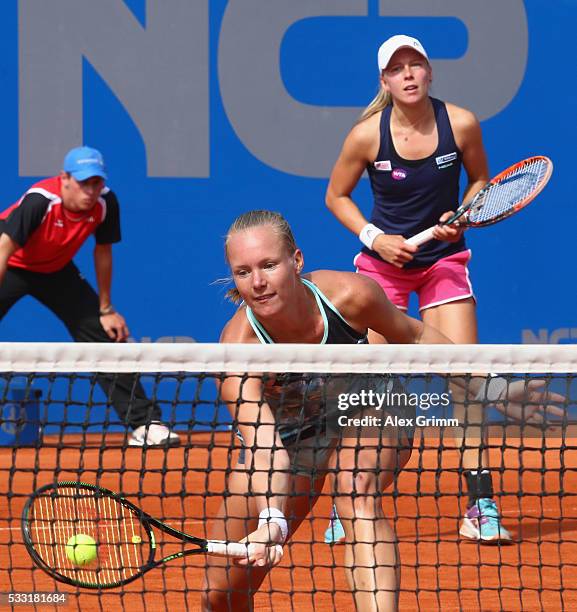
332, 405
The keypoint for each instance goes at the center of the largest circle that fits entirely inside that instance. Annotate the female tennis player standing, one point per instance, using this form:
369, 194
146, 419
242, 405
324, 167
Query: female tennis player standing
412, 147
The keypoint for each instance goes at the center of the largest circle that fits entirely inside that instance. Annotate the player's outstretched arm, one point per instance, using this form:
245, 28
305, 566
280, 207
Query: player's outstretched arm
519, 400
267, 465
522, 401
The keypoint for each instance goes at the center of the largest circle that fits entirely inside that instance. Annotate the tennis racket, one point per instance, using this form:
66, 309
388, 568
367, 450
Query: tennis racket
503, 196
125, 542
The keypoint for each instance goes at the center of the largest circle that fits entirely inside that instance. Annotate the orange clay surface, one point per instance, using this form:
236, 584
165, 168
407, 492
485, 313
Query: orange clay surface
439, 570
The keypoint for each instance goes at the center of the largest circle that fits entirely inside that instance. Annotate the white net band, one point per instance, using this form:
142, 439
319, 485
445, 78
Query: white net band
449, 359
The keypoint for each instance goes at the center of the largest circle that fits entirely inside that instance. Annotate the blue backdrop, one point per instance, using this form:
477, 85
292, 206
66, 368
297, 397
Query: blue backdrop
206, 109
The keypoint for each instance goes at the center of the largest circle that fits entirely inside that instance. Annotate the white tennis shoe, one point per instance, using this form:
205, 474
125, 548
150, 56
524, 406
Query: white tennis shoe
153, 434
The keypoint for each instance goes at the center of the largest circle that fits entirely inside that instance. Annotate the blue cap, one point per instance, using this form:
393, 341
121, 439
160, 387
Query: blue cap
83, 163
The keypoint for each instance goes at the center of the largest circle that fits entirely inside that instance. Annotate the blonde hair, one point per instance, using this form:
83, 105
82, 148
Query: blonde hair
379, 102
258, 218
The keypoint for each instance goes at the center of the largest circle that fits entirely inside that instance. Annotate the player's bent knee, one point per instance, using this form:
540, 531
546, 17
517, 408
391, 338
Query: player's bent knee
349, 482
356, 497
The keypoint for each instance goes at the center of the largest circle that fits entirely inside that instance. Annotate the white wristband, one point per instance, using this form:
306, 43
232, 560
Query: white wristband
274, 515
368, 234
492, 389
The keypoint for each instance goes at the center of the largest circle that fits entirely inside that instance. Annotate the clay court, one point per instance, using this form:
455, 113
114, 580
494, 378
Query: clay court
439, 571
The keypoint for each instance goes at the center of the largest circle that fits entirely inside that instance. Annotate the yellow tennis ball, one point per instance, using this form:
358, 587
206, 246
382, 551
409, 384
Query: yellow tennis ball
81, 549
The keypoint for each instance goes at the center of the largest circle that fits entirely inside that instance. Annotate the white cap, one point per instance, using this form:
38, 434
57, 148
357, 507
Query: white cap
393, 44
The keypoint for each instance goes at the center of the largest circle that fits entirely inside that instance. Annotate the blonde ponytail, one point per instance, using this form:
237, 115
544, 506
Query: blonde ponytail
379, 102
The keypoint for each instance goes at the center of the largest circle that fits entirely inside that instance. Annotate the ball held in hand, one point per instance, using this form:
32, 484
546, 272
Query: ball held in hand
81, 549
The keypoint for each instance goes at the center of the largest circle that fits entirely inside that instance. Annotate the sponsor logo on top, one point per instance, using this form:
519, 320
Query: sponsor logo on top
383, 166
399, 174
444, 161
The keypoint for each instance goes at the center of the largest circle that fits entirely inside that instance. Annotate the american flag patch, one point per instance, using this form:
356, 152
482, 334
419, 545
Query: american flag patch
384, 166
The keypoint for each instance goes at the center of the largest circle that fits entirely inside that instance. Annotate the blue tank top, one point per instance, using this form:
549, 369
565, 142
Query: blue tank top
411, 195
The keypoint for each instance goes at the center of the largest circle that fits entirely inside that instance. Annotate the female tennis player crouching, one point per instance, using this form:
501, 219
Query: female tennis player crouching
279, 417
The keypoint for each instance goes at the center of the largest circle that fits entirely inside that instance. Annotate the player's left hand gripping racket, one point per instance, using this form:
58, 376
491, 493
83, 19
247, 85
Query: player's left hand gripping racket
125, 542
507, 193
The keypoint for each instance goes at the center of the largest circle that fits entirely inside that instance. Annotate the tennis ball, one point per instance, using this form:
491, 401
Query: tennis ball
81, 549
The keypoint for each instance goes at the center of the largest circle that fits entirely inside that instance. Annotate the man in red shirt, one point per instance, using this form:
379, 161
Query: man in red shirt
39, 236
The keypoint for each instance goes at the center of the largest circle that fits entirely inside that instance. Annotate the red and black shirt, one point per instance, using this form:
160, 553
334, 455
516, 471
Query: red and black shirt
48, 234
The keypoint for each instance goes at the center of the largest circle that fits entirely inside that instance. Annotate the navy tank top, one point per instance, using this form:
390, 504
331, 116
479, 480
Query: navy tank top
411, 195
